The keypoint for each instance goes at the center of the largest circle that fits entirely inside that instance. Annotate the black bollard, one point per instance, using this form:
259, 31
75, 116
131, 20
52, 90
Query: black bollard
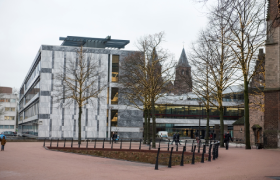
57, 142
170, 158
130, 144
140, 145
202, 157
51, 143
176, 147
72, 143
112, 145
64, 141
44, 142
156, 166
198, 146
193, 156
209, 153
214, 149
103, 143
168, 145
217, 151
87, 143
95, 144
192, 147
79, 144
121, 144
182, 159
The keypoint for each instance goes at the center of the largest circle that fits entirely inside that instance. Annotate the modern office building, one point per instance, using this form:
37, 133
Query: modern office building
42, 117
8, 109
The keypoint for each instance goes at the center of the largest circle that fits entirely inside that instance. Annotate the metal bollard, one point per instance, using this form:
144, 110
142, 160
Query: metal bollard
51, 143
193, 156
79, 144
87, 143
72, 143
57, 142
198, 147
64, 141
121, 144
156, 166
176, 147
112, 145
202, 157
214, 149
140, 145
192, 147
95, 144
44, 142
182, 159
209, 153
170, 158
103, 143
130, 144
168, 145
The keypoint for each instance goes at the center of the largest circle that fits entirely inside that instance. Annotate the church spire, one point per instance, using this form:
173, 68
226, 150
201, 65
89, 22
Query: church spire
183, 61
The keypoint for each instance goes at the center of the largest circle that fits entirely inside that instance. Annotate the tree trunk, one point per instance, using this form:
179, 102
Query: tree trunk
246, 115
80, 125
221, 126
207, 125
145, 126
154, 123
148, 126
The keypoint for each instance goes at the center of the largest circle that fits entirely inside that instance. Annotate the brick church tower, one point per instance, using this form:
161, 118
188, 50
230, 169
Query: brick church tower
183, 79
272, 77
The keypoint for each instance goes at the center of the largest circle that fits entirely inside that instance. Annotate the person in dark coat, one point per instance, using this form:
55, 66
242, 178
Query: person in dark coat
3, 142
174, 138
114, 137
227, 138
178, 138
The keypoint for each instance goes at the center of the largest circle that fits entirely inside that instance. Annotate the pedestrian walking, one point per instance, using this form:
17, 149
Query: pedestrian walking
174, 138
227, 138
3, 142
113, 137
178, 138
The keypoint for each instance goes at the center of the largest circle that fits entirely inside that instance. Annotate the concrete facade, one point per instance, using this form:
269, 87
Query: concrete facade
54, 121
8, 109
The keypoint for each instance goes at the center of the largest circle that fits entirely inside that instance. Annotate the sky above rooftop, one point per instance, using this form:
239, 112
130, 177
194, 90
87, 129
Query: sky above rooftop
27, 24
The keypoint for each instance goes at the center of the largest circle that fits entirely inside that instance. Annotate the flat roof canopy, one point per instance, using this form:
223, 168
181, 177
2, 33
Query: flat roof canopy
93, 42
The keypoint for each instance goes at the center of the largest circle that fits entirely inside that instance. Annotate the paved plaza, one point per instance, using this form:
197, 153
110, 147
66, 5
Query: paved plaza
29, 160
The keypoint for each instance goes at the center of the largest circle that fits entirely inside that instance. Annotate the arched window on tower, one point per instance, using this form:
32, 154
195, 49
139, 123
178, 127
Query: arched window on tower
182, 72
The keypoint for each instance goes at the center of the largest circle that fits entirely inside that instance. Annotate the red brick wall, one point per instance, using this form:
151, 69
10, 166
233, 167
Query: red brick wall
7, 90
271, 115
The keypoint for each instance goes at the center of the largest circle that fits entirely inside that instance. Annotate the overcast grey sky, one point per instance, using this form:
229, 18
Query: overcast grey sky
27, 24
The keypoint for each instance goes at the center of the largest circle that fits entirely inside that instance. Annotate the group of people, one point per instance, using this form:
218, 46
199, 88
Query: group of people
176, 138
114, 137
3, 141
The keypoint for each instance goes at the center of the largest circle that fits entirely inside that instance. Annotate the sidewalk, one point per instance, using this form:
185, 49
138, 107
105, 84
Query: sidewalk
29, 160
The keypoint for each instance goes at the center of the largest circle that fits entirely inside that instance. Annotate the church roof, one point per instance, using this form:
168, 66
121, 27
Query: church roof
183, 61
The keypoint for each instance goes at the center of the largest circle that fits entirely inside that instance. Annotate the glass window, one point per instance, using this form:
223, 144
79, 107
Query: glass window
12, 100
21, 116
21, 104
9, 117
11, 127
31, 111
21, 92
6, 126
7, 109
4, 100
114, 95
32, 92
34, 74
13, 109
114, 117
1, 127
115, 68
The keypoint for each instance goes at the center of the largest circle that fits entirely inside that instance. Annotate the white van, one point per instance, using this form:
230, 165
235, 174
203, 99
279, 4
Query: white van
162, 134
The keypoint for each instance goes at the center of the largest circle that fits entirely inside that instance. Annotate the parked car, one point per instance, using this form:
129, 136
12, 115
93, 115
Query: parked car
9, 133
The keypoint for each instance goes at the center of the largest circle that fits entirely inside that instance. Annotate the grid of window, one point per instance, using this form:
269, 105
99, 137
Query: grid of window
35, 72
6, 126
31, 111
21, 104
114, 96
9, 118
32, 92
114, 117
10, 109
4, 100
21, 116
115, 68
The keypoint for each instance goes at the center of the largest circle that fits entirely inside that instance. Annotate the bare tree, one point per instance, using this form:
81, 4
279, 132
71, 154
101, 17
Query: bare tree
79, 81
149, 79
247, 25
